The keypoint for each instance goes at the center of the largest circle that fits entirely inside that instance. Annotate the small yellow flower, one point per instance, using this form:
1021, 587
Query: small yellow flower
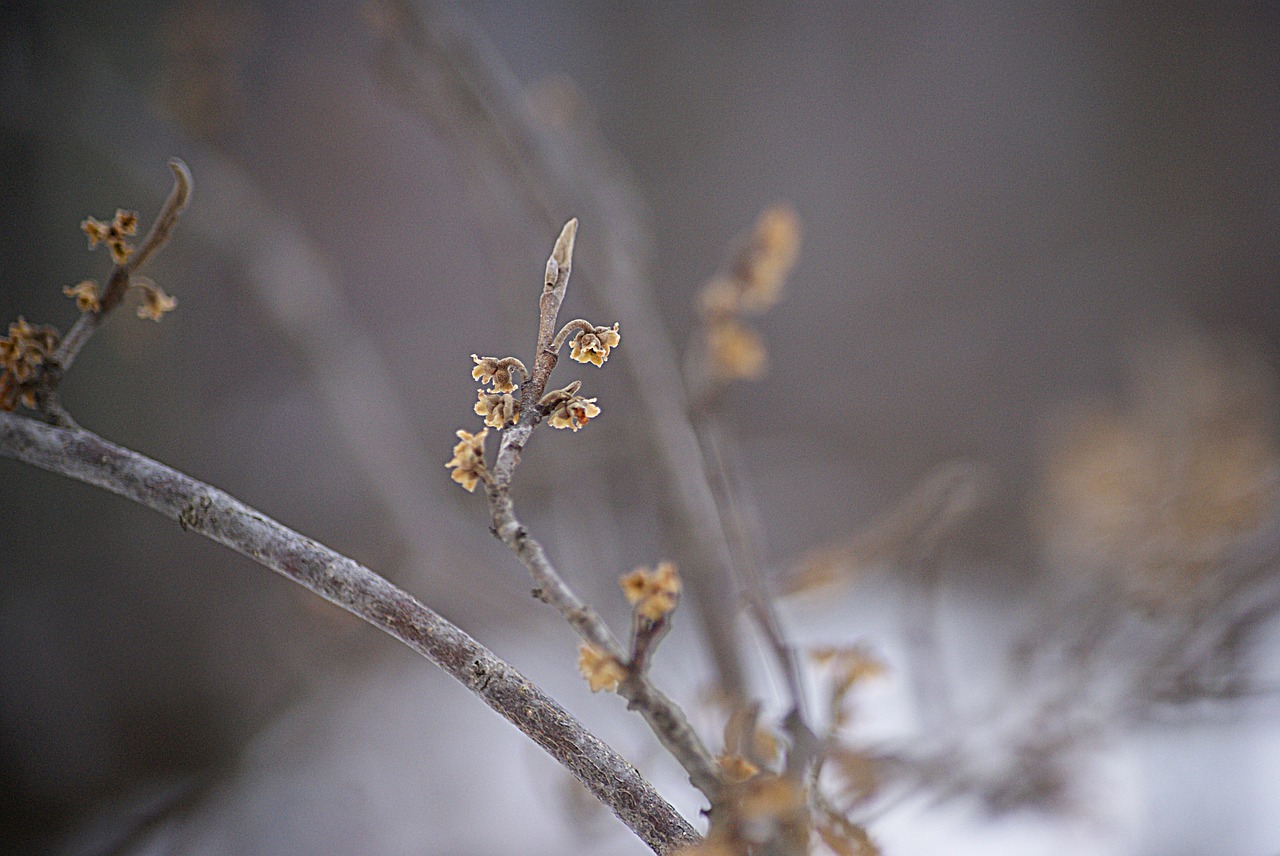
778, 799
22, 354
467, 462
125, 222
497, 408
768, 258
566, 409
601, 670
594, 346
497, 371
154, 302
736, 352
24, 351
120, 251
112, 234
654, 594
86, 294
736, 769
635, 585
96, 230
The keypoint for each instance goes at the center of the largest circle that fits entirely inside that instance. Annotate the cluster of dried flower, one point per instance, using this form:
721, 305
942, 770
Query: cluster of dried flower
467, 462
593, 346
28, 351
23, 355
767, 805
113, 234
500, 405
749, 284
1154, 498
654, 594
566, 409
602, 671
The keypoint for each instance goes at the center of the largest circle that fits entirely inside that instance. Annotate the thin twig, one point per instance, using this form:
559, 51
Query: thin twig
118, 283
663, 715
210, 512
437, 60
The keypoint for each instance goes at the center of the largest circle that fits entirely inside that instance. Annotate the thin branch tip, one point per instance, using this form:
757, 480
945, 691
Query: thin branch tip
182, 183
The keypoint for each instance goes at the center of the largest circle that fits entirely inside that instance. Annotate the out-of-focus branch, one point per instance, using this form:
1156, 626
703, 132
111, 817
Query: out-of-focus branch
201, 508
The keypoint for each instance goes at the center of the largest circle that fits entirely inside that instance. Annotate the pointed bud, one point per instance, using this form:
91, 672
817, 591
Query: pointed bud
561, 260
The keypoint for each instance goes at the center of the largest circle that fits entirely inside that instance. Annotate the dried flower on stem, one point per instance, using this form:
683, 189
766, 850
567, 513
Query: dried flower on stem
654, 594
566, 409
112, 234
467, 462
23, 355
749, 283
498, 372
497, 408
602, 671
592, 344
155, 303
86, 295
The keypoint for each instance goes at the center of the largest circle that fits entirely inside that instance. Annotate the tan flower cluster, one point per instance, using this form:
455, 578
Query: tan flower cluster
736, 769
112, 234
86, 295
848, 667
22, 355
1153, 496
497, 408
601, 670
654, 594
155, 303
762, 266
763, 808
593, 346
467, 462
750, 283
566, 409
735, 351
497, 372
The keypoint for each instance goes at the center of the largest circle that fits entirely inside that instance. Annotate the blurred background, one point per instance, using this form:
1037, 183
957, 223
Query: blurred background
1018, 415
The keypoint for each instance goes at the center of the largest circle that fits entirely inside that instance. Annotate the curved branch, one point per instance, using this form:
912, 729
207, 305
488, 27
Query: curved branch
204, 509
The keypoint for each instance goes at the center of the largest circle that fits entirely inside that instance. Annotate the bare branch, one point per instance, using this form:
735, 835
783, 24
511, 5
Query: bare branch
663, 715
204, 509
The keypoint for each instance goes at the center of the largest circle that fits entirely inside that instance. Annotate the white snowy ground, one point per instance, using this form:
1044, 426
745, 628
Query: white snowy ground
401, 761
